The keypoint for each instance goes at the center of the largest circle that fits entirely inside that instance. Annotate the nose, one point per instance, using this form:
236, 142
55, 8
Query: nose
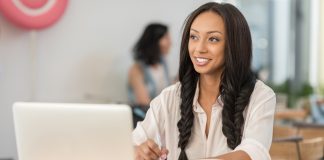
201, 48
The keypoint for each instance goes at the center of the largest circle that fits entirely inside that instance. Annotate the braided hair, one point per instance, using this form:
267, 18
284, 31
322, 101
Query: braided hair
237, 80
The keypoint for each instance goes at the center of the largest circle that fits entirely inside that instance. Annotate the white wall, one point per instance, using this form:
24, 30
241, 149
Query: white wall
82, 58
15, 80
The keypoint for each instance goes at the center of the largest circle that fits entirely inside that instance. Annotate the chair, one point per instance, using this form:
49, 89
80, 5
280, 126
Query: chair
285, 143
312, 149
297, 149
311, 131
284, 151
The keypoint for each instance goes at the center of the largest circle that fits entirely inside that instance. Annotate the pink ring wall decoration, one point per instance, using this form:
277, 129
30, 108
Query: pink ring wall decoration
39, 19
34, 3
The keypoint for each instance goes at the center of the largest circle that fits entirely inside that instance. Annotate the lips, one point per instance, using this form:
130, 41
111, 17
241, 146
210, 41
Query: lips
201, 61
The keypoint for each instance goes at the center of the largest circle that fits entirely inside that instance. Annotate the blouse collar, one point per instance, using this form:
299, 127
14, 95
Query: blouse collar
196, 105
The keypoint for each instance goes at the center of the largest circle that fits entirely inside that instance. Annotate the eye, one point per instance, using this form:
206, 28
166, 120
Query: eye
193, 37
213, 39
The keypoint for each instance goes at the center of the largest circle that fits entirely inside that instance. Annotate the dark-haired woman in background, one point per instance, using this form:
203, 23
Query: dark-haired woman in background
148, 76
218, 109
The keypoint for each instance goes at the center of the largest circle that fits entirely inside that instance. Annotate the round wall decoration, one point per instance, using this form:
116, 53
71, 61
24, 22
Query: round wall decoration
33, 14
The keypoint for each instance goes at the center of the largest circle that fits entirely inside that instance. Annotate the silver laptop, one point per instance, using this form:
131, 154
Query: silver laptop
50, 131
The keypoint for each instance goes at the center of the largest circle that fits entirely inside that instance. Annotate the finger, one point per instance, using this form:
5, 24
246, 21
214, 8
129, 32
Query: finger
137, 153
164, 151
143, 155
163, 157
148, 152
154, 147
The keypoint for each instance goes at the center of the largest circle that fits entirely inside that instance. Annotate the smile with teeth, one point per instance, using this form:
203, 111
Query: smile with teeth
202, 61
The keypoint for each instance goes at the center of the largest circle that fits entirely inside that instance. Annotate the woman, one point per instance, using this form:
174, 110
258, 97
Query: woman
148, 76
218, 109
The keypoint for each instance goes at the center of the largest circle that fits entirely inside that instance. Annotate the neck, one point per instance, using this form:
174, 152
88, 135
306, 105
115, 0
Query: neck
209, 86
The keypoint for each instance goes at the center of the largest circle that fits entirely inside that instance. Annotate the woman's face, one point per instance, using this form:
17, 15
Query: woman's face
165, 44
207, 43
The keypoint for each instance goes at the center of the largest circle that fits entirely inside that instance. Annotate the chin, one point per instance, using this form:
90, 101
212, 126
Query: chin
206, 71
202, 70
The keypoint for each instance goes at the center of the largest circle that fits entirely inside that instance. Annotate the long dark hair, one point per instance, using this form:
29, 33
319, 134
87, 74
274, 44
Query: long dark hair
147, 48
237, 80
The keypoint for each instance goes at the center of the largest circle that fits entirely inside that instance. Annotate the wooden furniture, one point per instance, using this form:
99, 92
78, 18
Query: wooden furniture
312, 149
291, 114
311, 131
284, 132
285, 143
305, 142
284, 151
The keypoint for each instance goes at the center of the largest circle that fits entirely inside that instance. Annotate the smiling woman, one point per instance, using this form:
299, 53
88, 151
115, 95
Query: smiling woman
218, 109
210, 38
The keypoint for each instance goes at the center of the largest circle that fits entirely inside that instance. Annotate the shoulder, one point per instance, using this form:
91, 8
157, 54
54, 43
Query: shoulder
169, 97
171, 93
262, 90
135, 70
172, 90
261, 95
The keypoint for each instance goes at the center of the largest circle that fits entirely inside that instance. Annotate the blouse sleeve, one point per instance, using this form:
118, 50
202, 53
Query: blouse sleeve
257, 134
152, 127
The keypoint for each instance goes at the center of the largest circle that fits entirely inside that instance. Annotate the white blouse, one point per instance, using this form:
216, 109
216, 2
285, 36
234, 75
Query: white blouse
161, 121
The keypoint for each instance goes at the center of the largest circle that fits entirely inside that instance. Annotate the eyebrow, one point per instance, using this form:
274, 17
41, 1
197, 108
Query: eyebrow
209, 32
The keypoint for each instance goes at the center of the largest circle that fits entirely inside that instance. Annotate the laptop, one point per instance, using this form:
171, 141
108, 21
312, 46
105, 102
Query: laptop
54, 131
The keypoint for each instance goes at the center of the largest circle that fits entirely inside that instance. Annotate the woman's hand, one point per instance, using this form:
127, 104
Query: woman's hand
149, 150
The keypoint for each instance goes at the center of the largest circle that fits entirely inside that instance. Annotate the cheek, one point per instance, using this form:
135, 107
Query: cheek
218, 52
162, 45
165, 44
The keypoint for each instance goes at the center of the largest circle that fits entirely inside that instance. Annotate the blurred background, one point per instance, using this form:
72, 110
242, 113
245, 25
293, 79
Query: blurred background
85, 56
